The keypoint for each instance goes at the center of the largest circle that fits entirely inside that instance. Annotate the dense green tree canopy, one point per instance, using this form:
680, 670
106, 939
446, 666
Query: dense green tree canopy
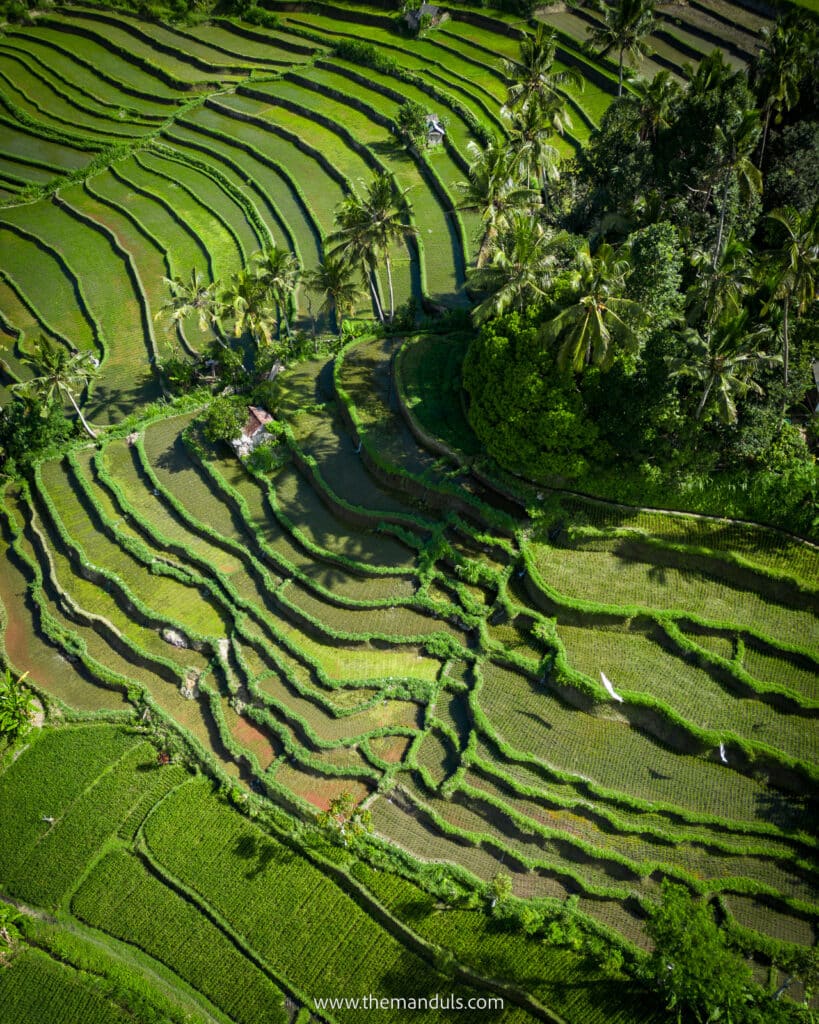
669, 294
702, 978
528, 414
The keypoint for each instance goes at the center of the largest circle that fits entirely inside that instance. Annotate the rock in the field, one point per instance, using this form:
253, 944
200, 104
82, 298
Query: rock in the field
190, 688
174, 638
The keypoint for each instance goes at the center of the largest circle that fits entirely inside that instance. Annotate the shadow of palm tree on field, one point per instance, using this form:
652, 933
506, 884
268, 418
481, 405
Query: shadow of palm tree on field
109, 403
261, 851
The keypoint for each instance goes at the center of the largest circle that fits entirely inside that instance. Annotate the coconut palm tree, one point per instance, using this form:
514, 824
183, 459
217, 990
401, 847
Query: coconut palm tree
279, 271
712, 73
738, 144
724, 362
777, 72
793, 267
247, 302
58, 373
333, 279
193, 297
520, 269
367, 228
530, 129
626, 26
494, 189
531, 75
387, 224
598, 318
655, 101
352, 243
719, 289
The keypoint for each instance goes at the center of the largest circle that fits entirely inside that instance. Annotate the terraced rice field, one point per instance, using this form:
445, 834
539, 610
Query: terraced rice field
223, 137
370, 618
342, 638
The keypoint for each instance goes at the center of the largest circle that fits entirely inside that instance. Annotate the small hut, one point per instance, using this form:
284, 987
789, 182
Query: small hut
435, 130
253, 432
425, 16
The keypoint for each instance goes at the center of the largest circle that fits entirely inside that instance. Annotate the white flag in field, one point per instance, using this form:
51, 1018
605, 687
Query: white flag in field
609, 688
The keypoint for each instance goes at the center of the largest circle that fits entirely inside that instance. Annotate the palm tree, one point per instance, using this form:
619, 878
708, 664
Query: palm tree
352, 243
793, 266
531, 76
738, 144
530, 129
599, 316
247, 302
278, 270
626, 24
519, 271
776, 73
655, 101
58, 372
712, 73
724, 362
494, 190
333, 279
387, 225
720, 288
190, 298
367, 228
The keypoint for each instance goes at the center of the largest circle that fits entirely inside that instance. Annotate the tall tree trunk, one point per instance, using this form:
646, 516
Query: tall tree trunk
388, 264
620, 78
486, 245
279, 318
78, 411
785, 340
374, 291
765, 134
312, 322
723, 204
336, 315
545, 185
704, 398
220, 337
290, 310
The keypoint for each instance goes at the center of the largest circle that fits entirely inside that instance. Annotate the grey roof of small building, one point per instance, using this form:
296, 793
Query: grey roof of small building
414, 17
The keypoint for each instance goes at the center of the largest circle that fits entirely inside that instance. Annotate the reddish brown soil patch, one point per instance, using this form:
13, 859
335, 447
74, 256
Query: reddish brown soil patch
248, 735
390, 748
317, 789
335, 787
